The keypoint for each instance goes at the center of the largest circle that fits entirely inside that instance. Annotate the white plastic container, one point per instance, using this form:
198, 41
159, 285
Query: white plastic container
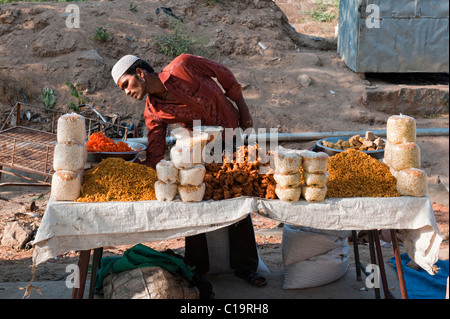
192, 193
71, 128
167, 172
165, 192
193, 176
288, 194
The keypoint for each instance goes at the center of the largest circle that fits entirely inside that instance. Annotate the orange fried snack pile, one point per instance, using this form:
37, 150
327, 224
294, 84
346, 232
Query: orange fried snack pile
356, 174
98, 142
239, 178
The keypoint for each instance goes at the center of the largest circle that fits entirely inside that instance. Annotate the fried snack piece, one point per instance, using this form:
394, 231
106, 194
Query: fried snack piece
241, 177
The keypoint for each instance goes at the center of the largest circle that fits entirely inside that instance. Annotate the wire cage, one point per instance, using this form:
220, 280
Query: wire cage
31, 149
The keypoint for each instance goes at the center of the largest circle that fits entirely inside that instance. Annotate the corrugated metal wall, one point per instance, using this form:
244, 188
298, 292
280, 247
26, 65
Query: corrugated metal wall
394, 36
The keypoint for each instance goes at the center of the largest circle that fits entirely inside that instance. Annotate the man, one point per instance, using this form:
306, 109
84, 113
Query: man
184, 91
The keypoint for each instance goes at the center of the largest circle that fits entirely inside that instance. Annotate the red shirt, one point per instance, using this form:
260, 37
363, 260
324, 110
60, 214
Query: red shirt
198, 97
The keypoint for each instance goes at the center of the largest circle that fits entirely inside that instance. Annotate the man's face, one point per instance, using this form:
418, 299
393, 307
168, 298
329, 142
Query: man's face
132, 86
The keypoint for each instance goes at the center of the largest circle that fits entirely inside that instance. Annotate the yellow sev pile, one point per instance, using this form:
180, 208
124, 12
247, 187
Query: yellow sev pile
115, 179
356, 174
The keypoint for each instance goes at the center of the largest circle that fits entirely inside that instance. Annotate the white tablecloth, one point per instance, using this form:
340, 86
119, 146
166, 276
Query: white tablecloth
70, 226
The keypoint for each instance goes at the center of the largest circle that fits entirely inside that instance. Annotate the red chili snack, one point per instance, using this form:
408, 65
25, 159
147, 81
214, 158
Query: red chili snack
98, 142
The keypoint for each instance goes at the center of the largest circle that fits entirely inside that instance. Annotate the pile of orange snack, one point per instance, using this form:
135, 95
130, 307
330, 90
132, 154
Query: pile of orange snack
98, 142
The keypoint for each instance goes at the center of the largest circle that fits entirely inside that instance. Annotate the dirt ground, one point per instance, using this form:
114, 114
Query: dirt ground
291, 81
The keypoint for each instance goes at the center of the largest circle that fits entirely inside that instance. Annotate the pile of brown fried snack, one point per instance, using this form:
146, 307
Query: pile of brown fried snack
239, 178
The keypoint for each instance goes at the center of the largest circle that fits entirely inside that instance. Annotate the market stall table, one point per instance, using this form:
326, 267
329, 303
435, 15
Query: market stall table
80, 226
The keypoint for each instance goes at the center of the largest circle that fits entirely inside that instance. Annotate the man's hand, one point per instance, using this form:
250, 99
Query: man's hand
245, 119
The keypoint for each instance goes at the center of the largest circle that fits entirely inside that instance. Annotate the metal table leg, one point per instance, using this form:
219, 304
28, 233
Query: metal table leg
83, 265
387, 293
98, 252
398, 261
356, 253
373, 260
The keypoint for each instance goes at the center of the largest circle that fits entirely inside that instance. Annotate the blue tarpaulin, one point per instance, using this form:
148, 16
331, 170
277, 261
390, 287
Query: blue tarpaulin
420, 284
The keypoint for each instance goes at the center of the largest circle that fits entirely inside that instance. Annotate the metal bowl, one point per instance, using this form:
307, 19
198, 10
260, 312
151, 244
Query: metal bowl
96, 157
212, 131
333, 151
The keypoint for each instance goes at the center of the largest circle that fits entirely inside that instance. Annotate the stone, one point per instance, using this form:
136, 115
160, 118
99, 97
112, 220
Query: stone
412, 100
260, 4
307, 60
9, 16
16, 235
304, 80
91, 56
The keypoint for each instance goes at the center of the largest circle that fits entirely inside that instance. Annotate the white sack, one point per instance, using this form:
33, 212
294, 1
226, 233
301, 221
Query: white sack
219, 253
302, 243
317, 271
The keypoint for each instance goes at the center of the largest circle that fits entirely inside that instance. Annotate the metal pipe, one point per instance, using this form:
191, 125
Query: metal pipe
311, 136
96, 112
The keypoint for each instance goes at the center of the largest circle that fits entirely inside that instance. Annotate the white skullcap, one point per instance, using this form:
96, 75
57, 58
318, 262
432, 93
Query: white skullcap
122, 65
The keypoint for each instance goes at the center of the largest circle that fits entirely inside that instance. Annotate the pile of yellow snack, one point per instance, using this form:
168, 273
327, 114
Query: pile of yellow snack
115, 179
356, 174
